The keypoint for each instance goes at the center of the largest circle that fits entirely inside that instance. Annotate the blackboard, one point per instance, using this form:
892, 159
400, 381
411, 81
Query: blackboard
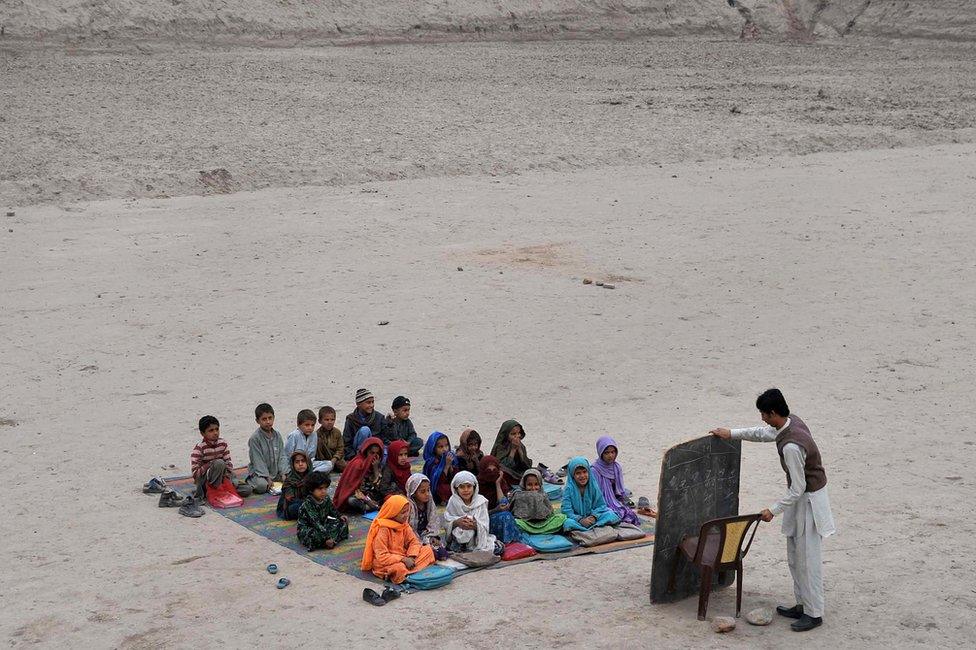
699, 482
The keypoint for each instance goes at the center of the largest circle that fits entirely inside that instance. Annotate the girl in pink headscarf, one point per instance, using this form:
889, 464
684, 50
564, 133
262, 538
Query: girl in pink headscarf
610, 477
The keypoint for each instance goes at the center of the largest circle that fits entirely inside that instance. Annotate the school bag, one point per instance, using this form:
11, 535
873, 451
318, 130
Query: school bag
629, 532
594, 536
224, 495
431, 577
476, 559
517, 551
548, 543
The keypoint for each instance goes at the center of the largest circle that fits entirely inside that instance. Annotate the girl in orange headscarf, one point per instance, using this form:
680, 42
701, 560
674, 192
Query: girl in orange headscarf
392, 549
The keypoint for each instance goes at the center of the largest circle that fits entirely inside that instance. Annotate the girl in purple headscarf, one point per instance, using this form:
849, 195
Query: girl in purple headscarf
610, 477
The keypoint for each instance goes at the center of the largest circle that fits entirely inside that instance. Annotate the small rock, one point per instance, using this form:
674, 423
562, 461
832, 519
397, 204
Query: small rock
760, 616
460, 269
587, 281
599, 283
10, 229
607, 285
11, 213
384, 322
735, 110
723, 624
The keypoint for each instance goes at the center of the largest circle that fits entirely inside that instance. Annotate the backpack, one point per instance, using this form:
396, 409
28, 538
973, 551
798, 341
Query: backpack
431, 577
548, 543
224, 495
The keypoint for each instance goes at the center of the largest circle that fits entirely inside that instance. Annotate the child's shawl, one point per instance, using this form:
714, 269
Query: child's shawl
478, 509
500, 450
434, 524
385, 519
610, 478
293, 487
399, 472
363, 433
577, 506
531, 506
434, 466
464, 461
352, 475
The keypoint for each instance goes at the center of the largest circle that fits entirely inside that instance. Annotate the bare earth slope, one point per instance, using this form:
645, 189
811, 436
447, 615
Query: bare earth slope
83, 124
288, 21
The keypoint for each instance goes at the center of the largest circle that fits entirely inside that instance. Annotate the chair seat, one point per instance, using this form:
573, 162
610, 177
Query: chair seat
689, 546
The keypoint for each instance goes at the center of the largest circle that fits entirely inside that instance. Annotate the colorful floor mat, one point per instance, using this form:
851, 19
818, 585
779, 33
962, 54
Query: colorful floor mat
258, 515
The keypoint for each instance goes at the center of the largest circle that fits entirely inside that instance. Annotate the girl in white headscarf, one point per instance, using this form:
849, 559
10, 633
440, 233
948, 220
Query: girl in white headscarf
467, 519
423, 515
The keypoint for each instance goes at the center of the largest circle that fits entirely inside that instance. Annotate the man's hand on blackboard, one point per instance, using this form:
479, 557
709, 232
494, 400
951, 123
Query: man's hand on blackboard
766, 514
724, 434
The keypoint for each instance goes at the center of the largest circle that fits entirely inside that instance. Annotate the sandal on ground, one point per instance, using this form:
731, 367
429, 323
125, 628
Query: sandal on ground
272, 569
644, 508
155, 485
190, 508
283, 582
389, 594
170, 498
372, 597
548, 476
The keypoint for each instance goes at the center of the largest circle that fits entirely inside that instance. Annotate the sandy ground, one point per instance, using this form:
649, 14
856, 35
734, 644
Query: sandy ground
844, 277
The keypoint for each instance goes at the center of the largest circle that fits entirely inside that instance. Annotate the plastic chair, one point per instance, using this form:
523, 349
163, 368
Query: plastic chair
717, 548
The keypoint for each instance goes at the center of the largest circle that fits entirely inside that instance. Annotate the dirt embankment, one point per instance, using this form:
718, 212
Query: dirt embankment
287, 22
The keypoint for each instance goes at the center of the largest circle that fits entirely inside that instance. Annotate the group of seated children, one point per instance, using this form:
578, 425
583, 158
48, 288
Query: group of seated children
490, 500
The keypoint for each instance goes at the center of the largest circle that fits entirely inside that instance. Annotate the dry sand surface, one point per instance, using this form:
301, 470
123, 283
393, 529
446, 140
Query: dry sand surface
845, 276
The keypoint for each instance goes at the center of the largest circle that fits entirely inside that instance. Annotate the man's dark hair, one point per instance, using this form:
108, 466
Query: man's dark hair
772, 401
208, 421
306, 415
317, 479
261, 409
326, 409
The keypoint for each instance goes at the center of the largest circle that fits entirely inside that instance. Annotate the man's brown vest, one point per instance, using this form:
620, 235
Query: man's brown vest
798, 434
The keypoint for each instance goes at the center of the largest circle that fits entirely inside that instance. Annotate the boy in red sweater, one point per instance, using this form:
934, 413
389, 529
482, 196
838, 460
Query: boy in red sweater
210, 460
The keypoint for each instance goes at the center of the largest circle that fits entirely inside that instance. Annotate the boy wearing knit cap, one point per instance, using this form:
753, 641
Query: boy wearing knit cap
364, 415
397, 426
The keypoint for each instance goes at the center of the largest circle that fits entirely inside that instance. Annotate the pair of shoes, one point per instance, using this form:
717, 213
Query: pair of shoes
561, 472
548, 476
376, 599
155, 485
170, 498
790, 612
805, 623
190, 508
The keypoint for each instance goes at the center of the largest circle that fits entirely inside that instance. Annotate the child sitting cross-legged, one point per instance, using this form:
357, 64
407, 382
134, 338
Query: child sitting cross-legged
469, 452
392, 549
501, 523
319, 523
532, 508
609, 476
293, 487
466, 518
360, 488
440, 464
583, 502
210, 460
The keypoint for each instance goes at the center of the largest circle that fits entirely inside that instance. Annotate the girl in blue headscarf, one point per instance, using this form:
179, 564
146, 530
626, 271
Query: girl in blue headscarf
440, 464
583, 502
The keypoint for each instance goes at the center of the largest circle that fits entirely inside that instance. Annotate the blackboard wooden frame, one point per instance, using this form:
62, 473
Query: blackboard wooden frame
699, 482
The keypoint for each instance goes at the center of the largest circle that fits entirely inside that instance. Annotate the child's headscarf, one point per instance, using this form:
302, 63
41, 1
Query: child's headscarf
478, 509
612, 471
433, 521
352, 476
362, 434
434, 466
501, 450
488, 472
385, 519
400, 473
532, 472
591, 501
294, 481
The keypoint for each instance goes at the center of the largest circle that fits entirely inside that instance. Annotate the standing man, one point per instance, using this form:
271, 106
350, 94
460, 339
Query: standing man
805, 507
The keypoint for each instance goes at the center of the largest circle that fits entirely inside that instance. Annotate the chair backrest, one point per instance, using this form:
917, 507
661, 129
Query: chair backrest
732, 532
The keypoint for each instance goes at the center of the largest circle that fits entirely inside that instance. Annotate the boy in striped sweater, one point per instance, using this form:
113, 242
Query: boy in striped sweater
210, 460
